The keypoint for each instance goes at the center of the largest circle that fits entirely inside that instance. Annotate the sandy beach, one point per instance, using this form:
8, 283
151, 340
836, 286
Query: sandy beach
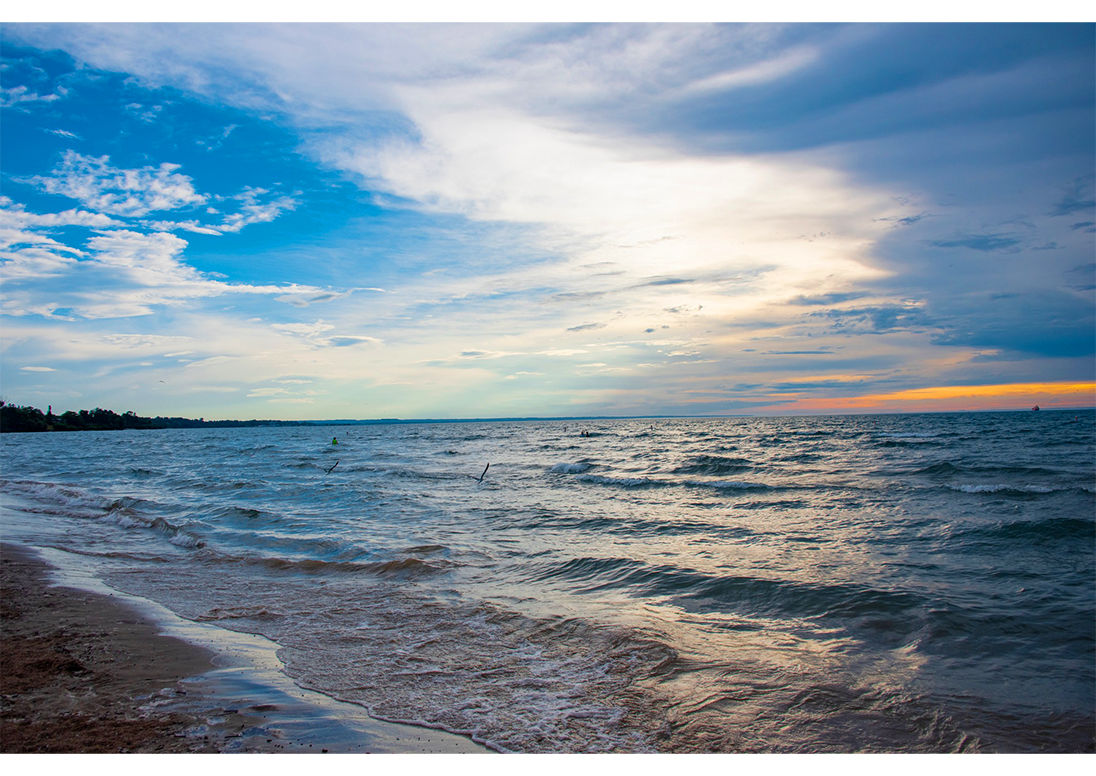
83, 672
78, 671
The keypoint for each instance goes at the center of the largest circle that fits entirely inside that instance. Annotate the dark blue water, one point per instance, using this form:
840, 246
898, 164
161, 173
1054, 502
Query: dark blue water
859, 583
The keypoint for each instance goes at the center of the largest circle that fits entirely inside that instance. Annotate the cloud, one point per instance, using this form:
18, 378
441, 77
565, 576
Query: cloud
316, 334
827, 299
140, 112
303, 296
37, 369
19, 96
206, 362
755, 74
979, 242
97, 184
1053, 324
132, 193
310, 330
1076, 199
483, 354
544, 167
906, 220
24, 253
148, 342
878, 318
123, 273
518, 375
252, 211
186, 226
348, 340
155, 257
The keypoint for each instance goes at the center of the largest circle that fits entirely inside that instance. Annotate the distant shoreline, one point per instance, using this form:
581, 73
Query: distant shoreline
26, 419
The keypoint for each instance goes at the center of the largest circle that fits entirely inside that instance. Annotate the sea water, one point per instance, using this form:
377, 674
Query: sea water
895, 583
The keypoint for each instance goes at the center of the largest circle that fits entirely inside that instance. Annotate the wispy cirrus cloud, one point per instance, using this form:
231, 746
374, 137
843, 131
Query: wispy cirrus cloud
320, 334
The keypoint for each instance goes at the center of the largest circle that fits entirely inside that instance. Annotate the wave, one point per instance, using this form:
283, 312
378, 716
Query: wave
237, 516
729, 484
400, 567
743, 595
427, 548
1005, 488
121, 513
67, 501
995, 633
218, 613
715, 465
398, 472
943, 468
622, 482
803, 457
1048, 529
910, 442
647, 482
52, 498
571, 468
777, 505
947, 468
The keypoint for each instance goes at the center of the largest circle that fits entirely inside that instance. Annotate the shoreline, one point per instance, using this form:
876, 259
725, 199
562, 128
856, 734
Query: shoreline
86, 669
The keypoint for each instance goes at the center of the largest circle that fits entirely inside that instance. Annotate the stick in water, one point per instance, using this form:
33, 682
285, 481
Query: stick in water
485, 468
333, 467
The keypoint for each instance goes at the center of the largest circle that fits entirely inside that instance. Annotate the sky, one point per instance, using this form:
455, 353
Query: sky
437, 220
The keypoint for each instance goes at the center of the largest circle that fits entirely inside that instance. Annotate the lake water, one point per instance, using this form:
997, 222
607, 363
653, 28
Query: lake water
898, 583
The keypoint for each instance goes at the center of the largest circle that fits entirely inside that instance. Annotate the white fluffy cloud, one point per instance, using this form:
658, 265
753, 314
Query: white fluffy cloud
120, 273
20, 95
133, 193
97, 184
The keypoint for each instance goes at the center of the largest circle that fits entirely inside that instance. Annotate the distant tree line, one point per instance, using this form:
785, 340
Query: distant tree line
16, 419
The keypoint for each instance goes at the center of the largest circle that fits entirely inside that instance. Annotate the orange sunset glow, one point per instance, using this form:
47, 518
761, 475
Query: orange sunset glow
955, 398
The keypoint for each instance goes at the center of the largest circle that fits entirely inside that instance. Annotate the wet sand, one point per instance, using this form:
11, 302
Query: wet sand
77, 671
95, 672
